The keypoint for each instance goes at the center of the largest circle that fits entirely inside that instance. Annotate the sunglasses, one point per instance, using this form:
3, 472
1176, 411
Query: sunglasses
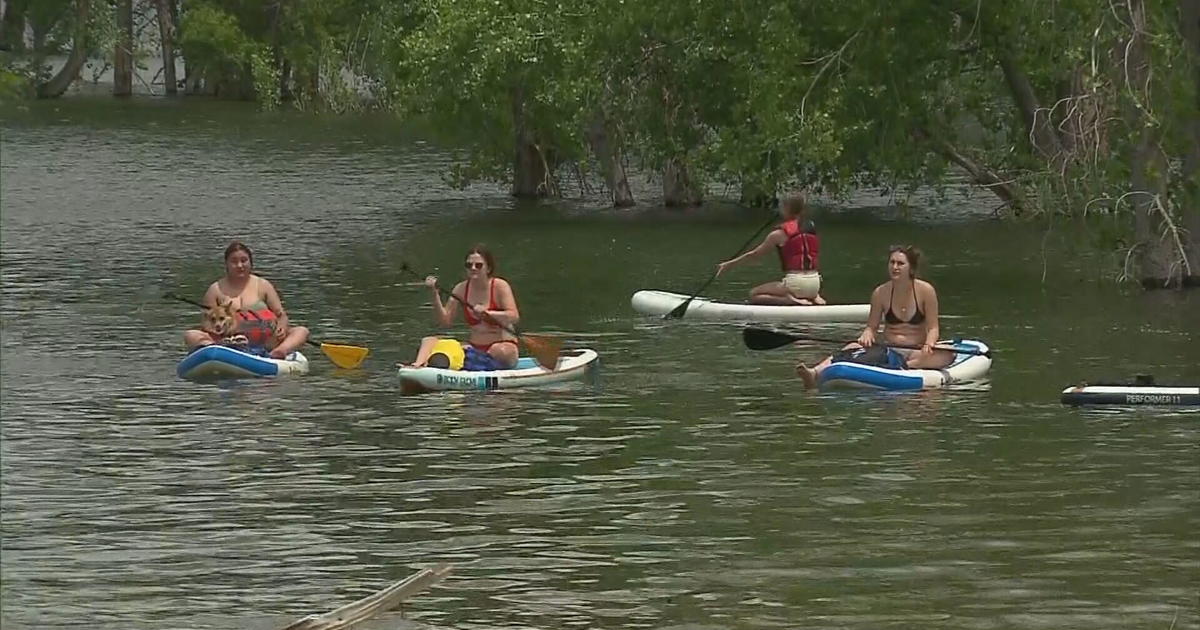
473, 265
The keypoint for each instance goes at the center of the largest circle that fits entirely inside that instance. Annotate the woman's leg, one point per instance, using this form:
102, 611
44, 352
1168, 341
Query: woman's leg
504, 354
424, 351
196, 338
809, 374
804, 287
773, 294
295, 338
935, 360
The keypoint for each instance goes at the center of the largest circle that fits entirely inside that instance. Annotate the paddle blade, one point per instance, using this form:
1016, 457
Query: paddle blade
348, 357
763, 339
545, 349
678, 311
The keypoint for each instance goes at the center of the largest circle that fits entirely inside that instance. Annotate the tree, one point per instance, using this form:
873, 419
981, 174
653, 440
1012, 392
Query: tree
123, 50
80, 39
164, 13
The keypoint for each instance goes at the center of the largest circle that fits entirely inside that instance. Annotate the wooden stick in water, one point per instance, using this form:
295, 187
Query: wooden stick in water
364, 609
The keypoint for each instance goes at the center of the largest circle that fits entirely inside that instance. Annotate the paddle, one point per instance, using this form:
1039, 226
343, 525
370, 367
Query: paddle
544, 348
682, 308
348, 357
766, 339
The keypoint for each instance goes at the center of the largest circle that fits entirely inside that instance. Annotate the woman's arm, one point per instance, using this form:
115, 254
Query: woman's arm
507, 314
774, 239
211, 296
873, 318
443, 314
932, 327
271, 297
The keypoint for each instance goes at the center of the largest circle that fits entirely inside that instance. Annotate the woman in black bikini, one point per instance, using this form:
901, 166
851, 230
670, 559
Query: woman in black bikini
908, 309
492, 304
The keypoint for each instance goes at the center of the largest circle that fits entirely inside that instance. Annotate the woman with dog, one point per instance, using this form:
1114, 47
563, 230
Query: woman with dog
908, 309
488, 305
245, 310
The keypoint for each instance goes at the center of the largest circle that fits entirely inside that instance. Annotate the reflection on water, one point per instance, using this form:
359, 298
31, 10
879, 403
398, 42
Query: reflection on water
695, 485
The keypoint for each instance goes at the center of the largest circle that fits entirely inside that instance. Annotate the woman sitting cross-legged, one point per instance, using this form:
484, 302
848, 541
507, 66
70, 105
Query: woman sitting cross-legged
487, 305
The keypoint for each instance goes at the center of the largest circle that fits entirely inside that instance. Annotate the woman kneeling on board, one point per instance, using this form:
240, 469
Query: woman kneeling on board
492, 306
908, 308
796, 242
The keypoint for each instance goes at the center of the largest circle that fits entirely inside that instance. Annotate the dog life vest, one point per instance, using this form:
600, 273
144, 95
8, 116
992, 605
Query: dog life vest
801, 249
257, 324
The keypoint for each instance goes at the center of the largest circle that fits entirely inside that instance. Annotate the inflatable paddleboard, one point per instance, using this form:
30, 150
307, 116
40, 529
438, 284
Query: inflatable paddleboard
217, 361
572, 365
663, 302
964, 367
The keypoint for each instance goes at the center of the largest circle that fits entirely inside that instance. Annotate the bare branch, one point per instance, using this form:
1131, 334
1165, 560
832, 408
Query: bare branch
829, 60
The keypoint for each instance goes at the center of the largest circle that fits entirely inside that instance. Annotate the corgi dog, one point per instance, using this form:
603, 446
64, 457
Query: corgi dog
221, 323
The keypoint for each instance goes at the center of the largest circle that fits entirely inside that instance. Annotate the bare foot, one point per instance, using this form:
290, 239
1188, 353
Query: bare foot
808, 375
819, 301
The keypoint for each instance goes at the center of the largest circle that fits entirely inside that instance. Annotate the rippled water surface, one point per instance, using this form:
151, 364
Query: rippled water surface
694, 485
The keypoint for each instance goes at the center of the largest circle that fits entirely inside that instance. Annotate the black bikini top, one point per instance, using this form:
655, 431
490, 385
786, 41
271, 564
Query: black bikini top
891, 317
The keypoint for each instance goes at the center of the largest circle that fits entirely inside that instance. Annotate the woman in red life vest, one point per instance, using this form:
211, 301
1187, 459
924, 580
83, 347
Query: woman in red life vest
799, 250
492, 303
258, 312
907, 306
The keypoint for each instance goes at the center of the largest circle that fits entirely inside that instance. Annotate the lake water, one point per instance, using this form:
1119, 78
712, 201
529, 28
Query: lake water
696, 485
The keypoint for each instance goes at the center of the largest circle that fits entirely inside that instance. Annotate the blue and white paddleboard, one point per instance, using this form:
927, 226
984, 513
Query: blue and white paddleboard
572, 365
216, 361
964, 367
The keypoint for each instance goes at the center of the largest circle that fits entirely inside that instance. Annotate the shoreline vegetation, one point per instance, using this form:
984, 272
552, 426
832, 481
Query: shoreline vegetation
1076, 109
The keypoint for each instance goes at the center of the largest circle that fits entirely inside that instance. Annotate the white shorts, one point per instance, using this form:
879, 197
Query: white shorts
803, 284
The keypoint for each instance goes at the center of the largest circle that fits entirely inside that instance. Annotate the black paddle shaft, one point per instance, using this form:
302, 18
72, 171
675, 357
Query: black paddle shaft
679, 310
765, 339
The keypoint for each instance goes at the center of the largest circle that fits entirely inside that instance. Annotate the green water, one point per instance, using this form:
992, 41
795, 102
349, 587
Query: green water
694, 486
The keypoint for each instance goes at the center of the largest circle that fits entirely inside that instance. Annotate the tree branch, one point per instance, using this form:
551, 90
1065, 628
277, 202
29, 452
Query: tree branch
980, 174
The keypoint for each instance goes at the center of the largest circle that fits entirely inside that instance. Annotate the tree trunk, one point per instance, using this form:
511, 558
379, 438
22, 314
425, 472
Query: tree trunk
12, 26
59, 83
1189, 26
285, 82
1160, 254
166, 30
1037, 123
611, 161
1189, 22
531, 172
679, 191
123, 52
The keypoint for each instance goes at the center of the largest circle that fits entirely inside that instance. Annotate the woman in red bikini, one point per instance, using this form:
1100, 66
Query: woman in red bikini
491, 303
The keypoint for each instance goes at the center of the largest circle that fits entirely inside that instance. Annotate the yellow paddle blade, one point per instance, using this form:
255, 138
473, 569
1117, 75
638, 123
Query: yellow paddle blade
348, 357
545, 349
